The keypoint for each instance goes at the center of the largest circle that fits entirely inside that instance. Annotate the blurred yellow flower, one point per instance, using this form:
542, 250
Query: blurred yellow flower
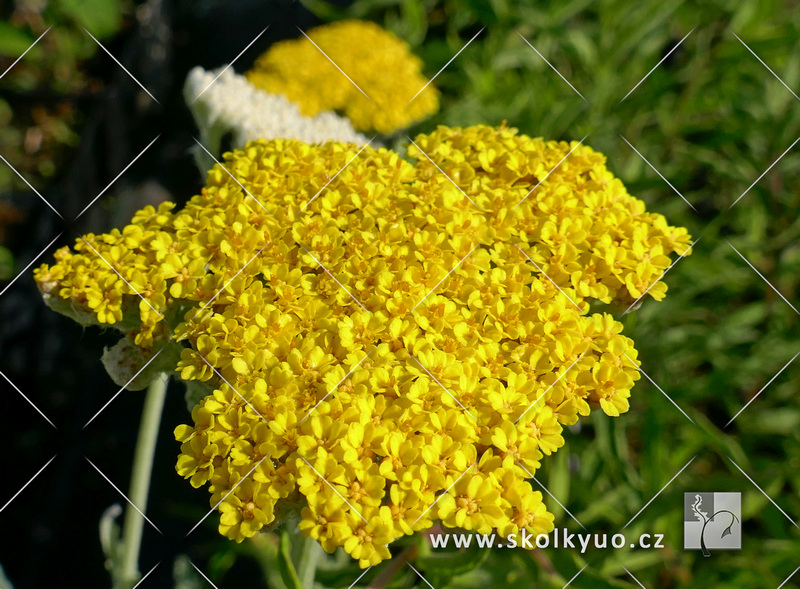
354, 67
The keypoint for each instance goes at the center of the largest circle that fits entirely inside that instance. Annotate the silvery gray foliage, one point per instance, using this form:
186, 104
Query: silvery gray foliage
223, 102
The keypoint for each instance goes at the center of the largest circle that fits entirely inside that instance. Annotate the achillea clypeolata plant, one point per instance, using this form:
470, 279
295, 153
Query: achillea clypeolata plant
380, 348
307, 72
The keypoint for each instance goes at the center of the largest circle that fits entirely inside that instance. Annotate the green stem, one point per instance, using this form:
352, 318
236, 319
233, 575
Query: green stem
140, 479
310, 551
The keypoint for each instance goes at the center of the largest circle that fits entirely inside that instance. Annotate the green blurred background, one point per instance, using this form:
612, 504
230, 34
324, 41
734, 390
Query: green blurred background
710, 118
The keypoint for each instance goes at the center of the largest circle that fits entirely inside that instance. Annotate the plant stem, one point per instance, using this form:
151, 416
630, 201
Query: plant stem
387, 574
140, 479
310, 551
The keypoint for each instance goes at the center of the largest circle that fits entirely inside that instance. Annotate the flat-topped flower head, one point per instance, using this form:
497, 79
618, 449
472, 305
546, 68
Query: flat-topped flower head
379, 349
353, 67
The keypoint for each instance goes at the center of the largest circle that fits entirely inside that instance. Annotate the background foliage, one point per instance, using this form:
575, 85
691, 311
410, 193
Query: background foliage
710, 118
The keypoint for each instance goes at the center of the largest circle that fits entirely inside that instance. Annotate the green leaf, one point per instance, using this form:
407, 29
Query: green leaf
196, 391
783, 421
14, 41
591, 579
442, 566
102, 18
265, 549
221, 561
498, 568
337, 570
129, 366
185, 576
6, 260
558, 481
111, 543
285, 564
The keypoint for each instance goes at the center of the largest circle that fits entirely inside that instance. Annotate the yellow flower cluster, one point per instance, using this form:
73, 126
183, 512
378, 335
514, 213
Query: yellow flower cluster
385, 348
384, 91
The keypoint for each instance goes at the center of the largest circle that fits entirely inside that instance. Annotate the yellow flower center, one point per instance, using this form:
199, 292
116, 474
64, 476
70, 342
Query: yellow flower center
467, 503
248, 510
